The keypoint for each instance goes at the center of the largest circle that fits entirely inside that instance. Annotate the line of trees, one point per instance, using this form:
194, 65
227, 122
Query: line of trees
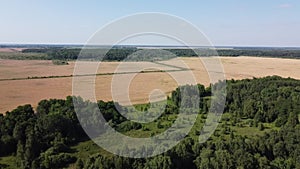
119, 54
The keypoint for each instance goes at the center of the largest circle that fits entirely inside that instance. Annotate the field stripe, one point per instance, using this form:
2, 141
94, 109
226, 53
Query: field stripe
98, 74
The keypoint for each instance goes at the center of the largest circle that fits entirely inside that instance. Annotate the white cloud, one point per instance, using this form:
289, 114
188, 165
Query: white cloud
285, 5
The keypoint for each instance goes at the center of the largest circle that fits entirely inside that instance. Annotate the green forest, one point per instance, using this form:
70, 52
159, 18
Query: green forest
131, 53
259, 129
121, 53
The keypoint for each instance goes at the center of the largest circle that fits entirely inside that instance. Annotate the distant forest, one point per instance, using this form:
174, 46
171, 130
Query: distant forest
121, 53
259, 129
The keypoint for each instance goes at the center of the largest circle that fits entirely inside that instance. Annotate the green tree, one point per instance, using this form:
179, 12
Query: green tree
158, 162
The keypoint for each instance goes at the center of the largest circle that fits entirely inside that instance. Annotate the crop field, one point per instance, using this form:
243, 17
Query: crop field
11, 49
29, 81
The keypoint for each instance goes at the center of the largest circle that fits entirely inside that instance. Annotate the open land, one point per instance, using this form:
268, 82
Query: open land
11, 49
28, 82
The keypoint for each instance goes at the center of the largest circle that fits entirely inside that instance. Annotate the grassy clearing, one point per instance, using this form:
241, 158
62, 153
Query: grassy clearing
84, 149
8, 162
244, 129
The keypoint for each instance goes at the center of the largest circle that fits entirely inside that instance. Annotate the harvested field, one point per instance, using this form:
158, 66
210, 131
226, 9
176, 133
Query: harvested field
10, 69
11, 49
30, 91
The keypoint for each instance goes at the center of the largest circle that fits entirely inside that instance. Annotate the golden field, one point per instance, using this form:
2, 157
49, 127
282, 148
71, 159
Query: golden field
30, 91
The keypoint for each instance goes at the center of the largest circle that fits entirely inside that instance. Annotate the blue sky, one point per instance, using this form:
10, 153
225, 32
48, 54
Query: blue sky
230, 22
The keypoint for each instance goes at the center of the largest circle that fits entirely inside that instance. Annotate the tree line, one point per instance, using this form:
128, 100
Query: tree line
120, 54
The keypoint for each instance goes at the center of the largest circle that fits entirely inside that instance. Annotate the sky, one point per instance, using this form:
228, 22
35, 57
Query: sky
225, 23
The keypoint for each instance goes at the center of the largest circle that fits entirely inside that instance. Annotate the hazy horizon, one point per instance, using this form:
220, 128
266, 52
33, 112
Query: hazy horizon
143, 45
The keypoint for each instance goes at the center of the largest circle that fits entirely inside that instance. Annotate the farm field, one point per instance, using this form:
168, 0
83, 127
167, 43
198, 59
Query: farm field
31, 91
11, 49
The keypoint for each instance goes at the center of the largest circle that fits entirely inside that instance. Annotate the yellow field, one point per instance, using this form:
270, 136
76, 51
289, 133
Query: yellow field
31, 91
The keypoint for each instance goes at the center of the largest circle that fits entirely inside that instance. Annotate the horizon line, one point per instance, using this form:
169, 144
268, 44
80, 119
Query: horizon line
144, 45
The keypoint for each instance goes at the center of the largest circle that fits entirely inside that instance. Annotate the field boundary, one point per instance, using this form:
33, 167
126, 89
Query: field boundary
102, 74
